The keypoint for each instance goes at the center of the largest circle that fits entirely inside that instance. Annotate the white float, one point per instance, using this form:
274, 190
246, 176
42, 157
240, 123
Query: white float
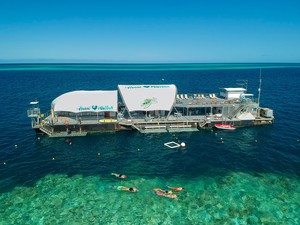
172, 144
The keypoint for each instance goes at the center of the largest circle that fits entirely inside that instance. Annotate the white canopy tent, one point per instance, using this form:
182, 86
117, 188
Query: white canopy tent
148, 97
86, 101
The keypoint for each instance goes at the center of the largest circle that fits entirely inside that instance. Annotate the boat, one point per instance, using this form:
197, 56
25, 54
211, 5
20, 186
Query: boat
224, 126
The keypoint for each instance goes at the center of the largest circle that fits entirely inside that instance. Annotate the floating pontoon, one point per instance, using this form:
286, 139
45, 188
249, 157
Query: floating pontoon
147, 109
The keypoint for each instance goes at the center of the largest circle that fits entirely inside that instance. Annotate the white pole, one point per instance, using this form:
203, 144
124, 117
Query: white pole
259, 89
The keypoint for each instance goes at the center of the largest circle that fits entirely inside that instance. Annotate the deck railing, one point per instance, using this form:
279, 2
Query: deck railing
34, 112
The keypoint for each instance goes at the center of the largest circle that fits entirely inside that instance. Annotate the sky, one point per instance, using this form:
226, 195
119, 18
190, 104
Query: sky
145, 31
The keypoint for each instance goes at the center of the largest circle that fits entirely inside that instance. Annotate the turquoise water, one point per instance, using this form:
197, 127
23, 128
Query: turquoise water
144, 67
237, 198
248, 176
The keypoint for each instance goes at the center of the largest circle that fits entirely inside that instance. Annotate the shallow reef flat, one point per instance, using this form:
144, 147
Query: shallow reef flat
237, 198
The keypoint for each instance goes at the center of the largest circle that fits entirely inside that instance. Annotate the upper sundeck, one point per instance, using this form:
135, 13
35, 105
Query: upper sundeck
207, 100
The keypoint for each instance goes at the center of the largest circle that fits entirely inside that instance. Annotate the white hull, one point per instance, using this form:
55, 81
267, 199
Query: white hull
224, 126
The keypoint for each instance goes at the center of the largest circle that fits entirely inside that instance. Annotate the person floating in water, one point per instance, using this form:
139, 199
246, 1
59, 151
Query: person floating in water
119, 175
131, 189
164, 193
175, 188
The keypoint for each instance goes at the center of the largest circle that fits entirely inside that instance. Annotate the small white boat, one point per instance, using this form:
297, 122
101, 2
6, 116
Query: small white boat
225, 126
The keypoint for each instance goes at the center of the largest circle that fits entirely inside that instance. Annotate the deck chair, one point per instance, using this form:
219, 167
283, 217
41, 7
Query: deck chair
202, 96
177, 96
213, 95
181, 96
186, 96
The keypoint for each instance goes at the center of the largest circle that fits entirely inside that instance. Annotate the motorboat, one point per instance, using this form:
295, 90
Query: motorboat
224, 126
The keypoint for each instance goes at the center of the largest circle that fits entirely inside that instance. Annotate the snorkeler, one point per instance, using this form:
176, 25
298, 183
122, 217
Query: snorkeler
131, 189
119, 175
175, 188
164, 193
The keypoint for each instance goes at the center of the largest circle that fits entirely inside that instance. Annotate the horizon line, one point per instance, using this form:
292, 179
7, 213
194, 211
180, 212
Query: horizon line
137, 62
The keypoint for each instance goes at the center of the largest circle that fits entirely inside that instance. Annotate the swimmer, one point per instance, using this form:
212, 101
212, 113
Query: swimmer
68, 141
131, 189
164, 193
175, 188
118, 175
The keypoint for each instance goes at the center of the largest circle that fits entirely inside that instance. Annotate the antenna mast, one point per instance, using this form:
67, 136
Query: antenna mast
259, 89
243, 83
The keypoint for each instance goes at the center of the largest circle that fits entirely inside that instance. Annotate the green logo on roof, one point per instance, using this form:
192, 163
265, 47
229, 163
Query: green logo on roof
148, 102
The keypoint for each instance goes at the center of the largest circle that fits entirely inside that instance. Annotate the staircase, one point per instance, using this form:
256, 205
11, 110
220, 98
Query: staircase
235, 112
47, 130
134, 126
203, 123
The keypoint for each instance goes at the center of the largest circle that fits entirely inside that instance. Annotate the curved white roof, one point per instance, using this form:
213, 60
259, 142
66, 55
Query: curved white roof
86, 101
148, 97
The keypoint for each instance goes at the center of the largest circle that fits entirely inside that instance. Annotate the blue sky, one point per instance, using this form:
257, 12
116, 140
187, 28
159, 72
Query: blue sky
149, 31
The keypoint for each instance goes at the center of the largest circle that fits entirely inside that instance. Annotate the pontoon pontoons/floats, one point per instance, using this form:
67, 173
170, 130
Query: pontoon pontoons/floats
148, 109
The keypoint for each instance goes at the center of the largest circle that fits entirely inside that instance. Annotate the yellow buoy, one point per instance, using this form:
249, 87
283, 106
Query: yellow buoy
53, 158
98, 153
4, 163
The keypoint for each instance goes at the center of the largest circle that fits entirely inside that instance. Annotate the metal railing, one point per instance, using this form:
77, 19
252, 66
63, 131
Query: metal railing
35, 112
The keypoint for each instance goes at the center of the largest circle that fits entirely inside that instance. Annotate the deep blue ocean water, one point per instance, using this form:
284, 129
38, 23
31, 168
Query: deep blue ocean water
251, 178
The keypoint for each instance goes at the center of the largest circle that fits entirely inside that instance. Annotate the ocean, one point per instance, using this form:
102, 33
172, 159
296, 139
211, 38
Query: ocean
247, 176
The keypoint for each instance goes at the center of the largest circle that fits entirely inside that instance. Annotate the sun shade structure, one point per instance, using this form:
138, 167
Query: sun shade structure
86, 101
148, 97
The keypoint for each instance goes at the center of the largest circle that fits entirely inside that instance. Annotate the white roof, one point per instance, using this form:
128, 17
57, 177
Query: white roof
247, 95
86, 101
148, 97
235, 89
